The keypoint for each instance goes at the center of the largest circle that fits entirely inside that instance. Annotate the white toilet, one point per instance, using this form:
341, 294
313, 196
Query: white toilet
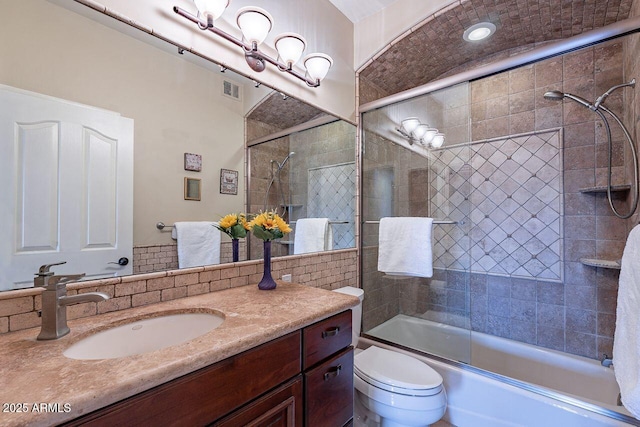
391, 388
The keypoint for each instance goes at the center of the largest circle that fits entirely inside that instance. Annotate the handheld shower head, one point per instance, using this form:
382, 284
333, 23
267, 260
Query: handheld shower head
556, 95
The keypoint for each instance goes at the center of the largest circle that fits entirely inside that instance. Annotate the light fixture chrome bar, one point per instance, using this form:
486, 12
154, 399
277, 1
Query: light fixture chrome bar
248, 48
597, 35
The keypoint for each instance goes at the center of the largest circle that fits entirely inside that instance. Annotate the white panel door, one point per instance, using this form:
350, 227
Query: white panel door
67, 188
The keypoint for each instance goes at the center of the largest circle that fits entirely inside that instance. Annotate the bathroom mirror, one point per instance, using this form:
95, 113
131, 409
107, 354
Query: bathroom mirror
176, 104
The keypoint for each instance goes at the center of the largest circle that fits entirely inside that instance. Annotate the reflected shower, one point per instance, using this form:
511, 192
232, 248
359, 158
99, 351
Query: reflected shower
598, 108
276, 175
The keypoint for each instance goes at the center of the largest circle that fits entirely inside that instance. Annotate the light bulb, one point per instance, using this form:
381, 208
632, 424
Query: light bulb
255, 24
290, 47
211, 8
419, 132
429, 134
410, 124
437, 141
317, 65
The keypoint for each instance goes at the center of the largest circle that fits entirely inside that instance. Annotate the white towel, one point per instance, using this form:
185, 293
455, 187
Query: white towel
626, 341
198, 243
312, 235
405, 247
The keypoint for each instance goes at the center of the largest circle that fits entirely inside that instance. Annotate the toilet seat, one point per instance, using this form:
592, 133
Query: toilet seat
396, 372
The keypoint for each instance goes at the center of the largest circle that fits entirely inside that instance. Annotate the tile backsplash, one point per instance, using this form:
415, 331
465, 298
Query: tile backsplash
329, 270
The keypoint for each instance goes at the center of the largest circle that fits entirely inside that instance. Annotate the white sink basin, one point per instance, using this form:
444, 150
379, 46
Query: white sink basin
144, 336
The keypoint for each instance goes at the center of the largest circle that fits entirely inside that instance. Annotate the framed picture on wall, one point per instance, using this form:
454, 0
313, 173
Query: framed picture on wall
228, 181
192, 190
192, 162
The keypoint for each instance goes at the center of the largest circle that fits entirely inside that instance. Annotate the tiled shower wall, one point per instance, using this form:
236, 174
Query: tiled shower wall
576, 314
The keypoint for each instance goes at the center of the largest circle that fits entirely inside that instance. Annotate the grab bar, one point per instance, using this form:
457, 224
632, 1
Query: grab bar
435, 221
330, 222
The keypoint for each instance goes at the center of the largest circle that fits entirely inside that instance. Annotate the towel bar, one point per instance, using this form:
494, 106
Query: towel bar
161, 226
435, 221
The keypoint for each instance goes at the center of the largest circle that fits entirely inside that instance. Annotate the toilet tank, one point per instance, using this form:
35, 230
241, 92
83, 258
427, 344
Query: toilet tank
356, 312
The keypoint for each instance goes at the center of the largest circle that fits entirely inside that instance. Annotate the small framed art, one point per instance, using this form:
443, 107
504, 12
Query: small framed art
192, 190
228, 181
192, 162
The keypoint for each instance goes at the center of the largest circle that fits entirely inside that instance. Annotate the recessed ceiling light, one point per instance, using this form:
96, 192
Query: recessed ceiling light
479, 31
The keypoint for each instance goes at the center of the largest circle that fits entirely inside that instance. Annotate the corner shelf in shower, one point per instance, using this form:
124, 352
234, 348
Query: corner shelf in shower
603, 189
601, 263
285, 242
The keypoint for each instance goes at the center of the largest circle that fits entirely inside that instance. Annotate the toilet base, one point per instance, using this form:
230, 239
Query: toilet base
370, 413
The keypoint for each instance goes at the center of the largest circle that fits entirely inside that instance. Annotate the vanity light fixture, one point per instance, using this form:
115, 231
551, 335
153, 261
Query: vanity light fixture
479, 31
255, 24
414, 131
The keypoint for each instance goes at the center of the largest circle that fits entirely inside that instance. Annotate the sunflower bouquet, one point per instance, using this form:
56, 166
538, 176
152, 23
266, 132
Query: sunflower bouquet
268, 226
234, 225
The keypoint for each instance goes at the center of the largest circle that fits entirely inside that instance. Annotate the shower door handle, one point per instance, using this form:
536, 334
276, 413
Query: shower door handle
331, 332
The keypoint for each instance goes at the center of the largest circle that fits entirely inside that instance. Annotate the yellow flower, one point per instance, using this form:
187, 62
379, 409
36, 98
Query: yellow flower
228, 221
282, 225
268, 226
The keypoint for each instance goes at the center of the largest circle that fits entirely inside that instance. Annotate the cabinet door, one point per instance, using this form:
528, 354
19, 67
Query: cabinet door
280, 408
329, 391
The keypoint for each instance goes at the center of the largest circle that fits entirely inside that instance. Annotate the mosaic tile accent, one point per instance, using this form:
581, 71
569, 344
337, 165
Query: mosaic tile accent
331, 194
514, 186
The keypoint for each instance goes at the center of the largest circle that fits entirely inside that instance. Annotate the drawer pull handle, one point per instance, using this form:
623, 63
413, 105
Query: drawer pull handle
332, 332
333, 372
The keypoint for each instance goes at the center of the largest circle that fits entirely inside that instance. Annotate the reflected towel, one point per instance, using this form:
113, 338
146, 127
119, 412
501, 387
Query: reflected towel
198, 243
626, 341
405, 247
312, 235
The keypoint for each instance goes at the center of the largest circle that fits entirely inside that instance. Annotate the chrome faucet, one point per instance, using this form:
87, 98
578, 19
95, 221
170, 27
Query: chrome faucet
55, 301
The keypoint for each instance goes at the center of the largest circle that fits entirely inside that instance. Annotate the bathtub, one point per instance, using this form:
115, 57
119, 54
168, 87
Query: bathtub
549, 386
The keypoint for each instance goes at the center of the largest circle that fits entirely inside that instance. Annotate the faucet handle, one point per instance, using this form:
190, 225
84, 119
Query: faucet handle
44, 269
65, 278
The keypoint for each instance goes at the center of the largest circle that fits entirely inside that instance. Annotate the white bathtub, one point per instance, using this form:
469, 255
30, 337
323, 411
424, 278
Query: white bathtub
581, 384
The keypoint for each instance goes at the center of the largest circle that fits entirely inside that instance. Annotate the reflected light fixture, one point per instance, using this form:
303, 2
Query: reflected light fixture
414, 131
479, 31
255, 24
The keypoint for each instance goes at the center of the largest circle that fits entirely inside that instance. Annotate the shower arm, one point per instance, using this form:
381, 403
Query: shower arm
634, 156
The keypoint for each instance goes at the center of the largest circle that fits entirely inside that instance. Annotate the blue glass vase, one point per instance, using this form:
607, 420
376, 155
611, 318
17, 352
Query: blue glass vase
267, 283
235, 246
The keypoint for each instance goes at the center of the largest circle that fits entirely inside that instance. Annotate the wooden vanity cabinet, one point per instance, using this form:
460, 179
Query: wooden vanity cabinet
303, 378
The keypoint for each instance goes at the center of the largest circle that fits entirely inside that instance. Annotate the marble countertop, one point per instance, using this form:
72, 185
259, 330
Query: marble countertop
36, 372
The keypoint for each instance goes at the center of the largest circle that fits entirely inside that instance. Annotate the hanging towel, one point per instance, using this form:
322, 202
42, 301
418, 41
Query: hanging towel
626, 340
312, 235
405, 247
198, 243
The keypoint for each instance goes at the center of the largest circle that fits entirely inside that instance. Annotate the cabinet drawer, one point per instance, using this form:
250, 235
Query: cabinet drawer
328, 391
324, 338
206, 395
280, 408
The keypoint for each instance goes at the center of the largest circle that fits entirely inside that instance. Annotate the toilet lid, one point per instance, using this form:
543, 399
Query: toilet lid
392, 370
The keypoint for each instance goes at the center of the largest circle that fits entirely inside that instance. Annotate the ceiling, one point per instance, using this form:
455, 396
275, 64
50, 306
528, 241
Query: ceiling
437, 48
356, 10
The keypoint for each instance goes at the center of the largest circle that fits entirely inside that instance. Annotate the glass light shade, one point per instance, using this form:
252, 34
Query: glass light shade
437, 141
255, 23
213, 8
317, 65
410, 124
419, 132
290, 47
428, 135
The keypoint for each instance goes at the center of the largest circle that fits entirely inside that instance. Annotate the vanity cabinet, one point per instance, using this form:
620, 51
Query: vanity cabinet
303, 378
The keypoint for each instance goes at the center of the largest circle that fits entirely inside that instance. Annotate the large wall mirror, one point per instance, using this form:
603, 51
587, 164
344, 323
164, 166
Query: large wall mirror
153, 106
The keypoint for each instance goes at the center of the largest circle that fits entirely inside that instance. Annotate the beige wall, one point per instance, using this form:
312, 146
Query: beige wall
323, 26
176, 106
390, 23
